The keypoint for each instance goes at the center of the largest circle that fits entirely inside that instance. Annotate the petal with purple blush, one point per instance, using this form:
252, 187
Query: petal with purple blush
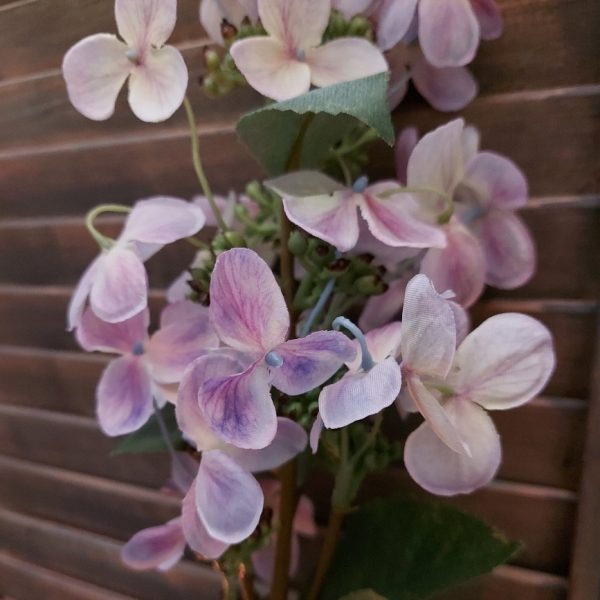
360, 395
310, 361
155, 548
247, 308
490, 18
315, 433
394, 21
405, 143
438, 469
82, 291
124, 397
229, 500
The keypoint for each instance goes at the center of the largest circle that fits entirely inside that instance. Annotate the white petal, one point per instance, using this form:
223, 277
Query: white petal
145, 23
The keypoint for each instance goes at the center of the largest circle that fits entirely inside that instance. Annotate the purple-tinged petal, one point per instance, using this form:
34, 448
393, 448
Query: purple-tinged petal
155, 548
310, 361
93, 334
496, 181
509, 250
350, 8
157, 87
396, 221
229, 500
448, 89
162, 220
359, 395
120, 288
462, 321
124, 397
304, 519
237, 407
299, 24
184, 468
394, 20
344, 59
288, 442
315, 433
179, 288
448, 32
382, 342
194, 530
267, 66
438, 469
405, 143
175, 346
471, 140
435, 415
490, 18
459, 267
182, 310
428, 339
503, 363
381, 309
145, 23
437, 163
212, 13
263, 560
95, 69
81, 293
247, 308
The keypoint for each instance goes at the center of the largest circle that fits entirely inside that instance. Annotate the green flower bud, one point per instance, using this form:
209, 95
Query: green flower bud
370, 285
212, 60
297, 243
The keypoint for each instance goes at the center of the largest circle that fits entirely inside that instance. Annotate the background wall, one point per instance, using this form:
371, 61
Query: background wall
66, 506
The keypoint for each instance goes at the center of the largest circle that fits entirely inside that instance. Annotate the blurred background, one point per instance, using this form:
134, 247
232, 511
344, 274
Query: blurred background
66, 506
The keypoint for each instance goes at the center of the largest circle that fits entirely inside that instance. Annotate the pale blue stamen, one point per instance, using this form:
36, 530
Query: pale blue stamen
273, 359
300, 55
133, 55
472, 215
138, 349
367, 362
360, 185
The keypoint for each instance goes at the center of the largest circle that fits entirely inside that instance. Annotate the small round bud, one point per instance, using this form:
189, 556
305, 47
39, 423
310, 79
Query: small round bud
210, 85
212, 60
297, 244
228, 30
339, 265
235, 239
358, 26
369, 285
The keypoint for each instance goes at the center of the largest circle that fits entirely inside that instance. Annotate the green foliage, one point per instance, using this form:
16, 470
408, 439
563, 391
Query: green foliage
310, 125
149, 439
407, 550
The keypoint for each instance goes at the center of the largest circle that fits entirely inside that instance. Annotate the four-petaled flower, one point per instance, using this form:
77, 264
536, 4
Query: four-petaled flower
96, 68
283, 64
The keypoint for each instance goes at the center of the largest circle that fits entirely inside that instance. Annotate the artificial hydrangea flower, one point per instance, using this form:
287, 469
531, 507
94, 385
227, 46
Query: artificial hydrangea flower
116, 280
486, 241
213, 13
283, 64
147, 365
222, 500
249, 314
503, 363
96, 68
328, 210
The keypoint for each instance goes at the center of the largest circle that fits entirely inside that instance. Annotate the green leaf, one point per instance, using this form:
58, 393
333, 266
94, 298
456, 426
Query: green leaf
149, 438
271, 133
407, 550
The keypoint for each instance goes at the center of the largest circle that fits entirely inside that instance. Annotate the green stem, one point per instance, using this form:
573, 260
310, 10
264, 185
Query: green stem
198, 243
198, 168
104, 242
368, 136
345, 170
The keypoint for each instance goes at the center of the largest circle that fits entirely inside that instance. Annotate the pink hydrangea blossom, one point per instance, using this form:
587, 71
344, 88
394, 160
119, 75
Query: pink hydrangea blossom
503, 363
116, 281
328, 210
96, 68
285, 63
147, 365
249, 314
214, 12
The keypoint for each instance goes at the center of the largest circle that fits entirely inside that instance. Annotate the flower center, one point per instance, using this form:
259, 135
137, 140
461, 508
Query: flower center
133, 56
360, 185
138, 349
273, 359
300, 55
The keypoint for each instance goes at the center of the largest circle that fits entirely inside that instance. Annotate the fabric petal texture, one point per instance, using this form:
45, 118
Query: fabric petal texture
490, 18
145, 23
394, 20
157, 87
120, 287
382, 342
81, 293
93, 334
428, 339
405, 143
381, 309
344, 59
360, 395
95, 69
124, 397
194, 530
247, 308
289, 441
310, 361
269, 69
155, 548
505, 362
438, 469
229, 500
448, 32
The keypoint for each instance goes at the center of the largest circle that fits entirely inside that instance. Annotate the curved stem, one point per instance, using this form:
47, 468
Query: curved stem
103, 241
345, 170
367, 360
198, 168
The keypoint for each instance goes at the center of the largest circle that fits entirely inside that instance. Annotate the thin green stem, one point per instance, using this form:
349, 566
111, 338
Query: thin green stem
198, 168
368, 136
345, 170
198, 243
370, 438
103, 241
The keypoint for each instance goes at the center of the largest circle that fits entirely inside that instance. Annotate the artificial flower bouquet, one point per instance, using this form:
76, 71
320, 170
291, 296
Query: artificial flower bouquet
322, 308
